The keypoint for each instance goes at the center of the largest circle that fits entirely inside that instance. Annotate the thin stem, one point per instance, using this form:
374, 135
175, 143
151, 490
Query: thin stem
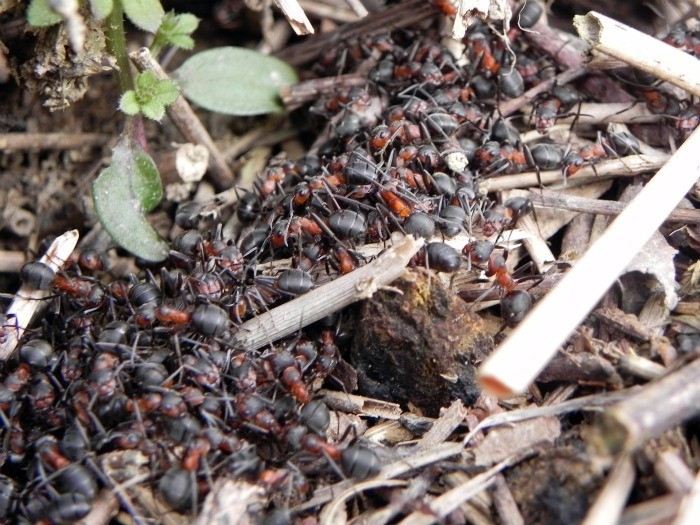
116, 43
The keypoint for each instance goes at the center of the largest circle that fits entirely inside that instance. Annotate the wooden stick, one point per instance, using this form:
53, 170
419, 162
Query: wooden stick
324, 300
11, 262
28, 303
518, 361
639, 50
440, 507
625, 166
51, 141
296, 16
551, 199
657, 407
401, 15
187, 122
690, 508
610, 503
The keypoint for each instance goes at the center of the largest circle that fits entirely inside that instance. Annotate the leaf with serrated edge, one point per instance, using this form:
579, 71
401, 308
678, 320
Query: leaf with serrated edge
101, 8
145, 14
129, 187
129, 104
39, 14
235, 81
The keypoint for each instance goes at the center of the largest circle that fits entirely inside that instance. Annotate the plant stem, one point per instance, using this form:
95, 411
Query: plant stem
116, 43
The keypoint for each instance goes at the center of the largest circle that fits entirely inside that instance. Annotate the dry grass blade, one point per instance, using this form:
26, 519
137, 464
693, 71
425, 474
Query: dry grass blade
333, 513
29, 303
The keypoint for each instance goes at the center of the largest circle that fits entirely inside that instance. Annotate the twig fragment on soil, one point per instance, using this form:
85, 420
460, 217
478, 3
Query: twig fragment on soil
51, 141
611, 501
401, 15
551, 199
657, 407
443, 505
324, 300
28, 303
187, 122
11, 262
624, 166
393, 470
639, 50
690, 508
593, 402
296, 16
517, 362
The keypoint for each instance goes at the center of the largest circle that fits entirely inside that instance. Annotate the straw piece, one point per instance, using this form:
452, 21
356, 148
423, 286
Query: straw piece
639, 50
518, 361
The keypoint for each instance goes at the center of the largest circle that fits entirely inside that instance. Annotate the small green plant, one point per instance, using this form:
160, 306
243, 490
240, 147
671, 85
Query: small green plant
228, 80
150, 97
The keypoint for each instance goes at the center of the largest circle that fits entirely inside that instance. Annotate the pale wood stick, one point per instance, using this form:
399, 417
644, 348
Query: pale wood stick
518, 361
11, 261
187, 122
657, 407
324, 300
28, 303
639, 50
625, 166
551, 199
690, 508
52, 141
441, 506
393, 470
608, 507
296, 16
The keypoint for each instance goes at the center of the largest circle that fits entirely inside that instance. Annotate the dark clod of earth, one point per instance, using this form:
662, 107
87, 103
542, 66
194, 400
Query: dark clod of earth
141, 375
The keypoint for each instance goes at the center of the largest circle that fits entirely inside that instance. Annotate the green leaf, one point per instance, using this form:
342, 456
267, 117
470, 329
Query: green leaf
151, 96
101, 8
175, 30
124, 192
144, 14
39, 14
129, 104
235, 81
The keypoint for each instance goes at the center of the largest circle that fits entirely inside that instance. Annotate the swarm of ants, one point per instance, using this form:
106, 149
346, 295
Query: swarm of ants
148, 364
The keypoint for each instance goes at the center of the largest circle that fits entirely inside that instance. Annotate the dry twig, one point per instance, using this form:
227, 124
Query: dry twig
187, 122
29, 303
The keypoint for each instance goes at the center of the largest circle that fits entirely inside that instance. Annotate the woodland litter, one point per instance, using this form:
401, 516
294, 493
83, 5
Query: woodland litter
280, 366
